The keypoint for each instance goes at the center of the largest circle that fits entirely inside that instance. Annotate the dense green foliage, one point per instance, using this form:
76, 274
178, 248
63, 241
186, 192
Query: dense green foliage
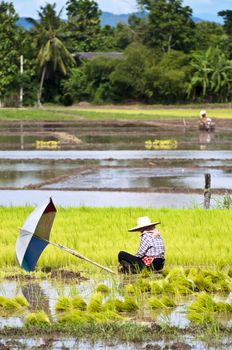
9, 50
165, 56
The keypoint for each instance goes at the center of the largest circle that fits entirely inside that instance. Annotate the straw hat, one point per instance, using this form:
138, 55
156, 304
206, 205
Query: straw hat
203, 112
143, 222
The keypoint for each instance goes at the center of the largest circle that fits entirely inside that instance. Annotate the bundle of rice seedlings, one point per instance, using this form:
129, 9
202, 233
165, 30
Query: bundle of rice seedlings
130, 305
192, 273
201, 318
110, 305
95, 303
156, 303
129, 289
143, 285
167, 301
9, 304
73, 318
203, 303
220, 281
21, 300
78, 303
202, 310
156, 287
113, 316
203, 284
168, 287
119, 305
179, 281
63, 304
102, 288
38, 319
105, 317
221, 306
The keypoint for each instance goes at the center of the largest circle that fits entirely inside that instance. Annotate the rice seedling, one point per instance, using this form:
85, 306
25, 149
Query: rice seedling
143, 285
102, 288
156, 303
168, 288
203, 303
129, 289
203, 284
179, 282
223, 307
63, 304
9, 304
130, 305
156, 287
110, 304
73, 318
37, 319
167, 301
95, 303
205, 310
78, 303
21, 300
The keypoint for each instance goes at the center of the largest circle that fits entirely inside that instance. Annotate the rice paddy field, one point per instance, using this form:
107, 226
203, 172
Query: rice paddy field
113, 112
193, 237
190, 300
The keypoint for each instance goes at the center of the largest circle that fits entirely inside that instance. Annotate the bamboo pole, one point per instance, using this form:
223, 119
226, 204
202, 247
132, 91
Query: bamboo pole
77, 255
207, 191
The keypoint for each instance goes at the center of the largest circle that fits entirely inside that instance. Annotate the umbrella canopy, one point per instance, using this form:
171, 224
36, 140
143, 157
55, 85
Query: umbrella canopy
34, 235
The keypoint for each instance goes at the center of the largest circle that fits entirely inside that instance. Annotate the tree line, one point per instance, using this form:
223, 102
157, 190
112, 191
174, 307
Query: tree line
165, 56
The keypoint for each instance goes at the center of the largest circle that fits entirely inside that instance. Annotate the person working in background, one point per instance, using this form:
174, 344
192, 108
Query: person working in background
203, 118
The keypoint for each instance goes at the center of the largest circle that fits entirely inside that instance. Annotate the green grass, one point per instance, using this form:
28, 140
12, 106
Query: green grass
151, 114
141, 113
193, 237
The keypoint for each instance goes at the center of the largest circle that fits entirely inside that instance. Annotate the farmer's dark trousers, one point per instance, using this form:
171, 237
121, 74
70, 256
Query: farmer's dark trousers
133, 264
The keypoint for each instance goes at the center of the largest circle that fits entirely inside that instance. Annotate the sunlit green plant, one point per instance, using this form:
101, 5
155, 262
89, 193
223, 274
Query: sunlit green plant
102, 288
78, 303
95, 303
63, 304
37, 319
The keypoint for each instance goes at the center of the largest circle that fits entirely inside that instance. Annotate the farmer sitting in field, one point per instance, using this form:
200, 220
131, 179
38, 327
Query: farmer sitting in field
150, 253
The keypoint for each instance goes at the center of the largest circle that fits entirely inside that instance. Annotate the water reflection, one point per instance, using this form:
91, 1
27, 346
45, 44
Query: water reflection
205, 137
108, 199
36, 297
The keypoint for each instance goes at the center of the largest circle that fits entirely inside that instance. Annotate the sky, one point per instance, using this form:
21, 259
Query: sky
205, 9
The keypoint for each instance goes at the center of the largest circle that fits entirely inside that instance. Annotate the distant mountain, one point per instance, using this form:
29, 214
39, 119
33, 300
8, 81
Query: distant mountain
112, 19
106, 18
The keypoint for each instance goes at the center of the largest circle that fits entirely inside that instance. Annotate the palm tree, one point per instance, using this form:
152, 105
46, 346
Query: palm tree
47, 36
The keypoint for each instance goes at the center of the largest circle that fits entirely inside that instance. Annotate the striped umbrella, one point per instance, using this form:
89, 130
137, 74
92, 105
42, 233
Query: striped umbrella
34, 237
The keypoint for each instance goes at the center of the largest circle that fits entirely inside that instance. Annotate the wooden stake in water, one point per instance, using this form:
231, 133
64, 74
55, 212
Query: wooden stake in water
207, 191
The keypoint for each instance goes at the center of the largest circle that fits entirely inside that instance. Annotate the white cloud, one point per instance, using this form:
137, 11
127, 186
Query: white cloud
118, 6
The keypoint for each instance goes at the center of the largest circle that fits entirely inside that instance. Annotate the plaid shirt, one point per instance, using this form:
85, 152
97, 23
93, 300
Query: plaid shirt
150, 247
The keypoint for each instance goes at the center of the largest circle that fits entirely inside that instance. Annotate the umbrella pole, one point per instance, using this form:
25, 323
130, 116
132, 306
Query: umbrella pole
78, 255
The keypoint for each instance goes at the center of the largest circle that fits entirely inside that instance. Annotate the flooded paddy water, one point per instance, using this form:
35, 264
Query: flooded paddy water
44, 295
114, 157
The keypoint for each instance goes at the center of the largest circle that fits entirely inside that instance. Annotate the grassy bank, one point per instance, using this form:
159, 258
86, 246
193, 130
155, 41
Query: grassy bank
140, 113
193, 237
